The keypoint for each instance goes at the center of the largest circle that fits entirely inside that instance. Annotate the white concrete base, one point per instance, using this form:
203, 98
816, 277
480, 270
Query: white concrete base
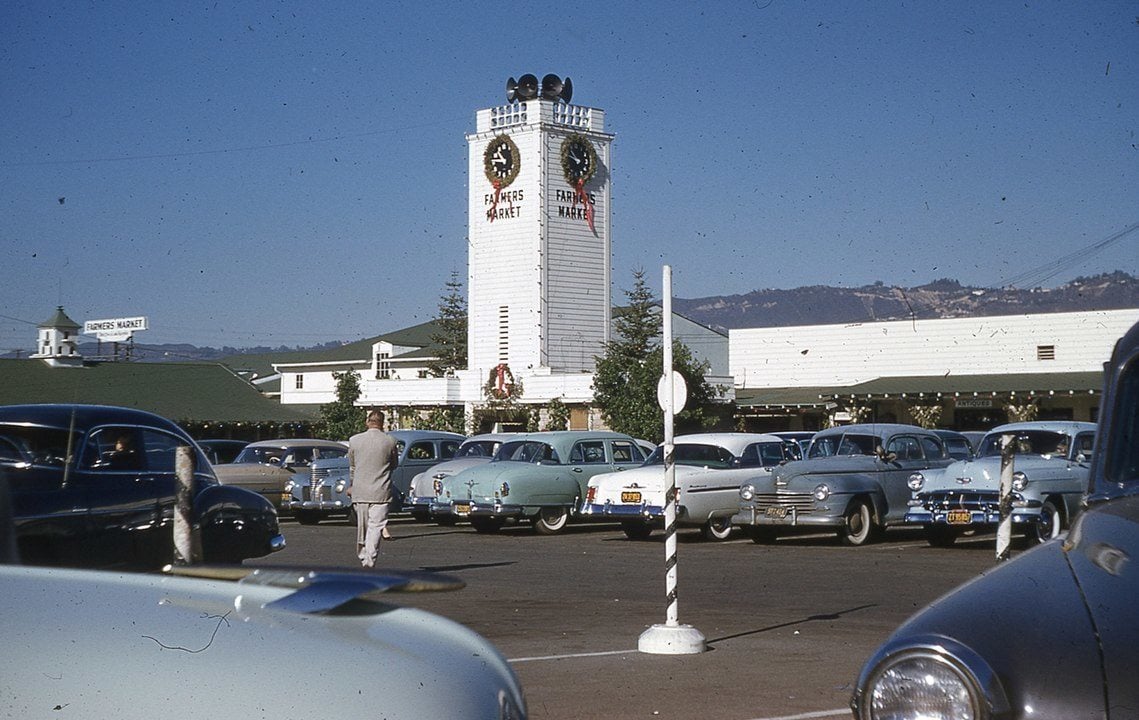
671, 640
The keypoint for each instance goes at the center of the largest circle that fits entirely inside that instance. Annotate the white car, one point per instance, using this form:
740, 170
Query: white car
82, 643
475, 450
709, 470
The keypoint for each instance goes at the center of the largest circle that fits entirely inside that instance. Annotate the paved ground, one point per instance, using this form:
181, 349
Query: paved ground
788, 626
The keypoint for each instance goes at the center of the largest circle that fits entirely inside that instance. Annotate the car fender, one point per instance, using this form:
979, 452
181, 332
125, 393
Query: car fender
235, 523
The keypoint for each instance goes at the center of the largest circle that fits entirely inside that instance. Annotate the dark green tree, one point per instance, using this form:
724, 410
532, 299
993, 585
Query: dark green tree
449, 341
625, 382
341, 419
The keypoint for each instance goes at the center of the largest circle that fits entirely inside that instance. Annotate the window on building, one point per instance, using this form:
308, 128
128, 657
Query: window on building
503, 333
383, 366
300, 381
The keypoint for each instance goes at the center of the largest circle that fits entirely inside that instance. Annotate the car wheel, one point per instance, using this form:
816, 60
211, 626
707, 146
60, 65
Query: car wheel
1048, 526
718, 529
550, 520
761, 534
486, 525
637, 530
941, 536
857, 524
307, 517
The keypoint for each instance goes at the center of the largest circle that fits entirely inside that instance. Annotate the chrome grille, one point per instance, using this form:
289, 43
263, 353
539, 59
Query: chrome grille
962, 500
801, 502
316, 492
320, 473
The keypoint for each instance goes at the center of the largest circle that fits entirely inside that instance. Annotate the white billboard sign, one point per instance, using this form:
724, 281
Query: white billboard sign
116, 329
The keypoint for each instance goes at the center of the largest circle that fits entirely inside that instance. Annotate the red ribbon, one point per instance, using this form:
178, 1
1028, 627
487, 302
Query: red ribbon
494, 202
580, 193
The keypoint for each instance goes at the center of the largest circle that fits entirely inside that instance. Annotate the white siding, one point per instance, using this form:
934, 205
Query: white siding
824, 355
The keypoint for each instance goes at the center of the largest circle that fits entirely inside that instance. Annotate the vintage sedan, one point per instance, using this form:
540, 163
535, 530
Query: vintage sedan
221, 451
853, 481
207, 647
1050, 464
267, 466
324, 493
709, 469
1050, 634
540, 477
475, 450
95, 486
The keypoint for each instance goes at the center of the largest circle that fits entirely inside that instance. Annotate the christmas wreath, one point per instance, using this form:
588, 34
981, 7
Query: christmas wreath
500, 385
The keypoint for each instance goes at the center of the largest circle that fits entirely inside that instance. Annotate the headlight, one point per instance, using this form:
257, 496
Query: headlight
289, 485
747, 492
1019, 481
341, 486
916, 481
437, 486
921, 686
821, 492
505, 489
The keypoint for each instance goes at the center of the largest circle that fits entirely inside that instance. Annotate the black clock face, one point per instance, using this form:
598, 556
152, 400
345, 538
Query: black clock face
500, 161
579, 159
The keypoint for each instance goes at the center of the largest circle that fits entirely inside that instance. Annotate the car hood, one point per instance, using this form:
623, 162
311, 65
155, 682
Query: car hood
424, 482
984, 473
815, 467
172, 637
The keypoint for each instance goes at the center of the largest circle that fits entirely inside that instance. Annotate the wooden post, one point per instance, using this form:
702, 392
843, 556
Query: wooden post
186, 551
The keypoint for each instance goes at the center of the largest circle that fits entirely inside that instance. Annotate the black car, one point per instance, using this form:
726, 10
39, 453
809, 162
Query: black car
94, 486
1051, 634
220, 451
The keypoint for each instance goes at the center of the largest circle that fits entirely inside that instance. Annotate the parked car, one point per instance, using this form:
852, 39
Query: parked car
540, 477
853, 481
801, 438
1050, 463
957, 445
267, 466
221, 451
709, 469
1050, 634
475, 450
200, 649
324, 494
95, 486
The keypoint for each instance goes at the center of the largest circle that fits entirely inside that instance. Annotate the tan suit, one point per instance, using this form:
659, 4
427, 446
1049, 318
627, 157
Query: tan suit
372, 455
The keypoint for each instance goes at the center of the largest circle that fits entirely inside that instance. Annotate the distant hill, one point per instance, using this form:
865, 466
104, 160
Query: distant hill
822, 305
814, 305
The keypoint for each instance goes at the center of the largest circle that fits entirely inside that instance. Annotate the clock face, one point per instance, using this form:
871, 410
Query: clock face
579, 159
500, 161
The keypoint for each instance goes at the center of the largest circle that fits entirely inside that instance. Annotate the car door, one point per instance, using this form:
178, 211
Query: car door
420, 455
120, 495
909, 457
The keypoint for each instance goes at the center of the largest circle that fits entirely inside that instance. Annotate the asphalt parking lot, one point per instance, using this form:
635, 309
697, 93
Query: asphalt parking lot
787, 625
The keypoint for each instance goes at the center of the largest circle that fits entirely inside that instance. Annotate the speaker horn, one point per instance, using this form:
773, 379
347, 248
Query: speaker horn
551, 87
511, 90
567, 91
527, 87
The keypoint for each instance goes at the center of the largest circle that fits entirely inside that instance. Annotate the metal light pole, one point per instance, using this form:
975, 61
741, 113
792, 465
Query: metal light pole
1004, 527
672, 638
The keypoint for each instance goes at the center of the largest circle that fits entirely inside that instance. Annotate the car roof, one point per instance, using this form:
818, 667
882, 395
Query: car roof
295, 442
414, 435
493, 436
82, 416
732, 441
1068, 427
563, 439
880, 429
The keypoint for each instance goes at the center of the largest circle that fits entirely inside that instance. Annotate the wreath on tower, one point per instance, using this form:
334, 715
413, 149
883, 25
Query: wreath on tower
501, 384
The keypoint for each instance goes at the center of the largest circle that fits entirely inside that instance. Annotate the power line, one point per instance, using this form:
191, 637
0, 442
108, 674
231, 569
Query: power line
1044, 272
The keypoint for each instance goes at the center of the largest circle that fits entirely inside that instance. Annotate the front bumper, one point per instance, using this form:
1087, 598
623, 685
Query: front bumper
969, 510
465, 509
780, 516
977, 518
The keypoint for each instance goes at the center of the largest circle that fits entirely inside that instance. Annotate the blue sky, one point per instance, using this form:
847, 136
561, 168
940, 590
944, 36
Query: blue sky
292, 173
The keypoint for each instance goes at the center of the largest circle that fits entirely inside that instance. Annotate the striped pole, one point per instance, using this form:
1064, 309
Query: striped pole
1004, 528
672, 638
184, 551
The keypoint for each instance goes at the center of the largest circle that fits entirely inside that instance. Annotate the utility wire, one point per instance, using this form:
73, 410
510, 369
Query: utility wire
1049, 270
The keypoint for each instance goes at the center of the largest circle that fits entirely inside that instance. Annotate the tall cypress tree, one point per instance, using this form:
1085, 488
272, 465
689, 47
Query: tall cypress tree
449, 341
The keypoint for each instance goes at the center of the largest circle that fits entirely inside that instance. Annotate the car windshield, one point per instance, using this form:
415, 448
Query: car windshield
478, 448
28, 445
1028, 442
697, 455
846, 444
1122, 462
527, 451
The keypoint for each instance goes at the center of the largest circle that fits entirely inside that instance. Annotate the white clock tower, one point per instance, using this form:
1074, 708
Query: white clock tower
539, 215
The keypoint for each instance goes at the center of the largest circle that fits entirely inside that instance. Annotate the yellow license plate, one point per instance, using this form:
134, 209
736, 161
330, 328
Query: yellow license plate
461, 509
630, 497
776, 512
958, 517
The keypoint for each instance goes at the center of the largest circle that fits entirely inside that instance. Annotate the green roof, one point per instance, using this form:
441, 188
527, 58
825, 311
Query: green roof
59, 320
927, 385
183, 392
261, 364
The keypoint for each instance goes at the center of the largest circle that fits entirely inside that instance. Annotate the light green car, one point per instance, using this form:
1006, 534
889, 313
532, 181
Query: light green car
540, 477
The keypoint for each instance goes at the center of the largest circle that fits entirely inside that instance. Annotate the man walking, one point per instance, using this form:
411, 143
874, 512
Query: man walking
372, 455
